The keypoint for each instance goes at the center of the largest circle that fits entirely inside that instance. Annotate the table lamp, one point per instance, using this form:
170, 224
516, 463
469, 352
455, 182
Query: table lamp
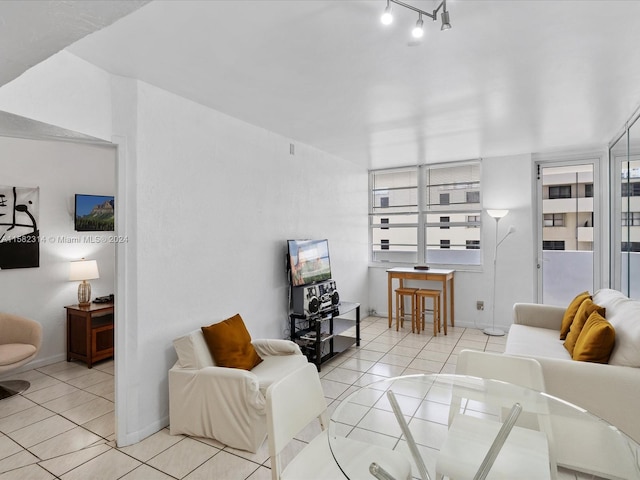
83, 270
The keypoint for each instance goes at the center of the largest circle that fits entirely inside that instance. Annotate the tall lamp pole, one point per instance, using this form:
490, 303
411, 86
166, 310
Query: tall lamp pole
497, 214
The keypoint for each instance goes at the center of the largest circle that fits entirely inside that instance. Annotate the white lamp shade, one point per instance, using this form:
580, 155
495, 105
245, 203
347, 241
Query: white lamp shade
83, 270
497, 213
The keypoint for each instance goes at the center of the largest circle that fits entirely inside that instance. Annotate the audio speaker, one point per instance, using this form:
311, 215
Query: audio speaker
316, 298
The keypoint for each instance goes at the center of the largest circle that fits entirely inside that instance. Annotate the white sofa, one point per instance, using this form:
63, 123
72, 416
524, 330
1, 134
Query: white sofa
610, 391
226, 404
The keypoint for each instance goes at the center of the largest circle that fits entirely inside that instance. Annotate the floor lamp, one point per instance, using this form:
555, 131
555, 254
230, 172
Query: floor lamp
497, 214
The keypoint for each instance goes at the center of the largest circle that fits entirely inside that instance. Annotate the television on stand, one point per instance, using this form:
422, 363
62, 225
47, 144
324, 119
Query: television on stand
313, 292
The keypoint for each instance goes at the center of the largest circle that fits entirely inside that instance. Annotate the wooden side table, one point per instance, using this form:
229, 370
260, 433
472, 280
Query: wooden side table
89, 332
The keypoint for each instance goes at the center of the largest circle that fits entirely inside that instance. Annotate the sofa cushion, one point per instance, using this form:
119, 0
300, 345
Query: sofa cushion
230, 344
582, 315
596, 340
529, 341
610, 299
626, 321
570, 313
192, 351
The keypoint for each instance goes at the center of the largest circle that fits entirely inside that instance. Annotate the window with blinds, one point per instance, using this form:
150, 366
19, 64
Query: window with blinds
393, 214
426, 214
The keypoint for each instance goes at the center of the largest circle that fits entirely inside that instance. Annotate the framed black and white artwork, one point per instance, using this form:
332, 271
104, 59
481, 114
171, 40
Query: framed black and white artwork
19, 233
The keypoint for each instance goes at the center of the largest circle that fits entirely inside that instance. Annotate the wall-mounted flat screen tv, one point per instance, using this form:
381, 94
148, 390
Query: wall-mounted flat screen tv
308, 261
94, 213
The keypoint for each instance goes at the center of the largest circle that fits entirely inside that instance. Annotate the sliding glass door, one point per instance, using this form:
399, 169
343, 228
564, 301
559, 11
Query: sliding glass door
625, 202
566, 223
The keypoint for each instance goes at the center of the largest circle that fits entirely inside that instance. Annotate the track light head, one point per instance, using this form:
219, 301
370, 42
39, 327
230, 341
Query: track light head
444, 16
387, 16
418, 30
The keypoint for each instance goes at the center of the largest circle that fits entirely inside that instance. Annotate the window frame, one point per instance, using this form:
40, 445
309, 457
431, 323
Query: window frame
461, 216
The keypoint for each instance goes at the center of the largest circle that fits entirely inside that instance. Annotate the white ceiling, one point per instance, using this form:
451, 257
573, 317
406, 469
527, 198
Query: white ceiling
510, 77
31, 31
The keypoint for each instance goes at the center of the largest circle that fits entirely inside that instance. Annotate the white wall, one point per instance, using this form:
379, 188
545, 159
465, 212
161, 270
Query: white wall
65, 91
60, 169
506, 183
216, 200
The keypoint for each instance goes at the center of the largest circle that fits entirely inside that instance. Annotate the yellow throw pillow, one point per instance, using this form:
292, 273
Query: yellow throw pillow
596, 340
230, 344
582, 315
570, 313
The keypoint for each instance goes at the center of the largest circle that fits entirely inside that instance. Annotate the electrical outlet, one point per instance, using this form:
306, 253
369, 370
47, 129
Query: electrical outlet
480, 305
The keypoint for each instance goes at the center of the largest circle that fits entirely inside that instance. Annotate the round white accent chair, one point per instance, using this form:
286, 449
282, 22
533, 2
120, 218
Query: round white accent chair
20, 341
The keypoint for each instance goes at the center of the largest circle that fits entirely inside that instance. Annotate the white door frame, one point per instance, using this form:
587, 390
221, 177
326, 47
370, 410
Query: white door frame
559, 160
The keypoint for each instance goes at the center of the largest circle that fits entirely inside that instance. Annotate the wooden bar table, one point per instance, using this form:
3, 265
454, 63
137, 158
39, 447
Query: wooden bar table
444, 276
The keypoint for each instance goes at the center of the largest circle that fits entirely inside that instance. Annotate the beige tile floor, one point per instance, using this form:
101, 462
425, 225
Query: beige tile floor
63, 426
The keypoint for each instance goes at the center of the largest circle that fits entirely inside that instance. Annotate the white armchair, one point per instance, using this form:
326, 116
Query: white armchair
226, 404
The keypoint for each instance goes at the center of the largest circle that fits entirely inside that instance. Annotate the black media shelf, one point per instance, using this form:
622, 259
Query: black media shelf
324, 335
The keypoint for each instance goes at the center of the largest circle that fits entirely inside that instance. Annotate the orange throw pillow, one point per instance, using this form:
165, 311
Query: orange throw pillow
596, 340
230, 344
582, 315
570, 313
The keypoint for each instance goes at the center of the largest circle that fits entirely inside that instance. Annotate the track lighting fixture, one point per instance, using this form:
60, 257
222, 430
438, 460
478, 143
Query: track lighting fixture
418, 30
387, 16
444, 16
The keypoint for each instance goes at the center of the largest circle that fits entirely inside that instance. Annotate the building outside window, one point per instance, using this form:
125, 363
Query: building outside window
412, 208
560, 191
473, 197
631, 246
630, 219
473, 221
567, 205
553, 245
554, 219
631, 189
588, 190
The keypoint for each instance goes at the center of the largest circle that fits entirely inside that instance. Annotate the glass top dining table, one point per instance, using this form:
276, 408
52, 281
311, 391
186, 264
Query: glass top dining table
414, 416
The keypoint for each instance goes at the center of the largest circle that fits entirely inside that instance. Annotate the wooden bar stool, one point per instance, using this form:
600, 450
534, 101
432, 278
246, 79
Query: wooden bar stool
401, 293
421, 308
